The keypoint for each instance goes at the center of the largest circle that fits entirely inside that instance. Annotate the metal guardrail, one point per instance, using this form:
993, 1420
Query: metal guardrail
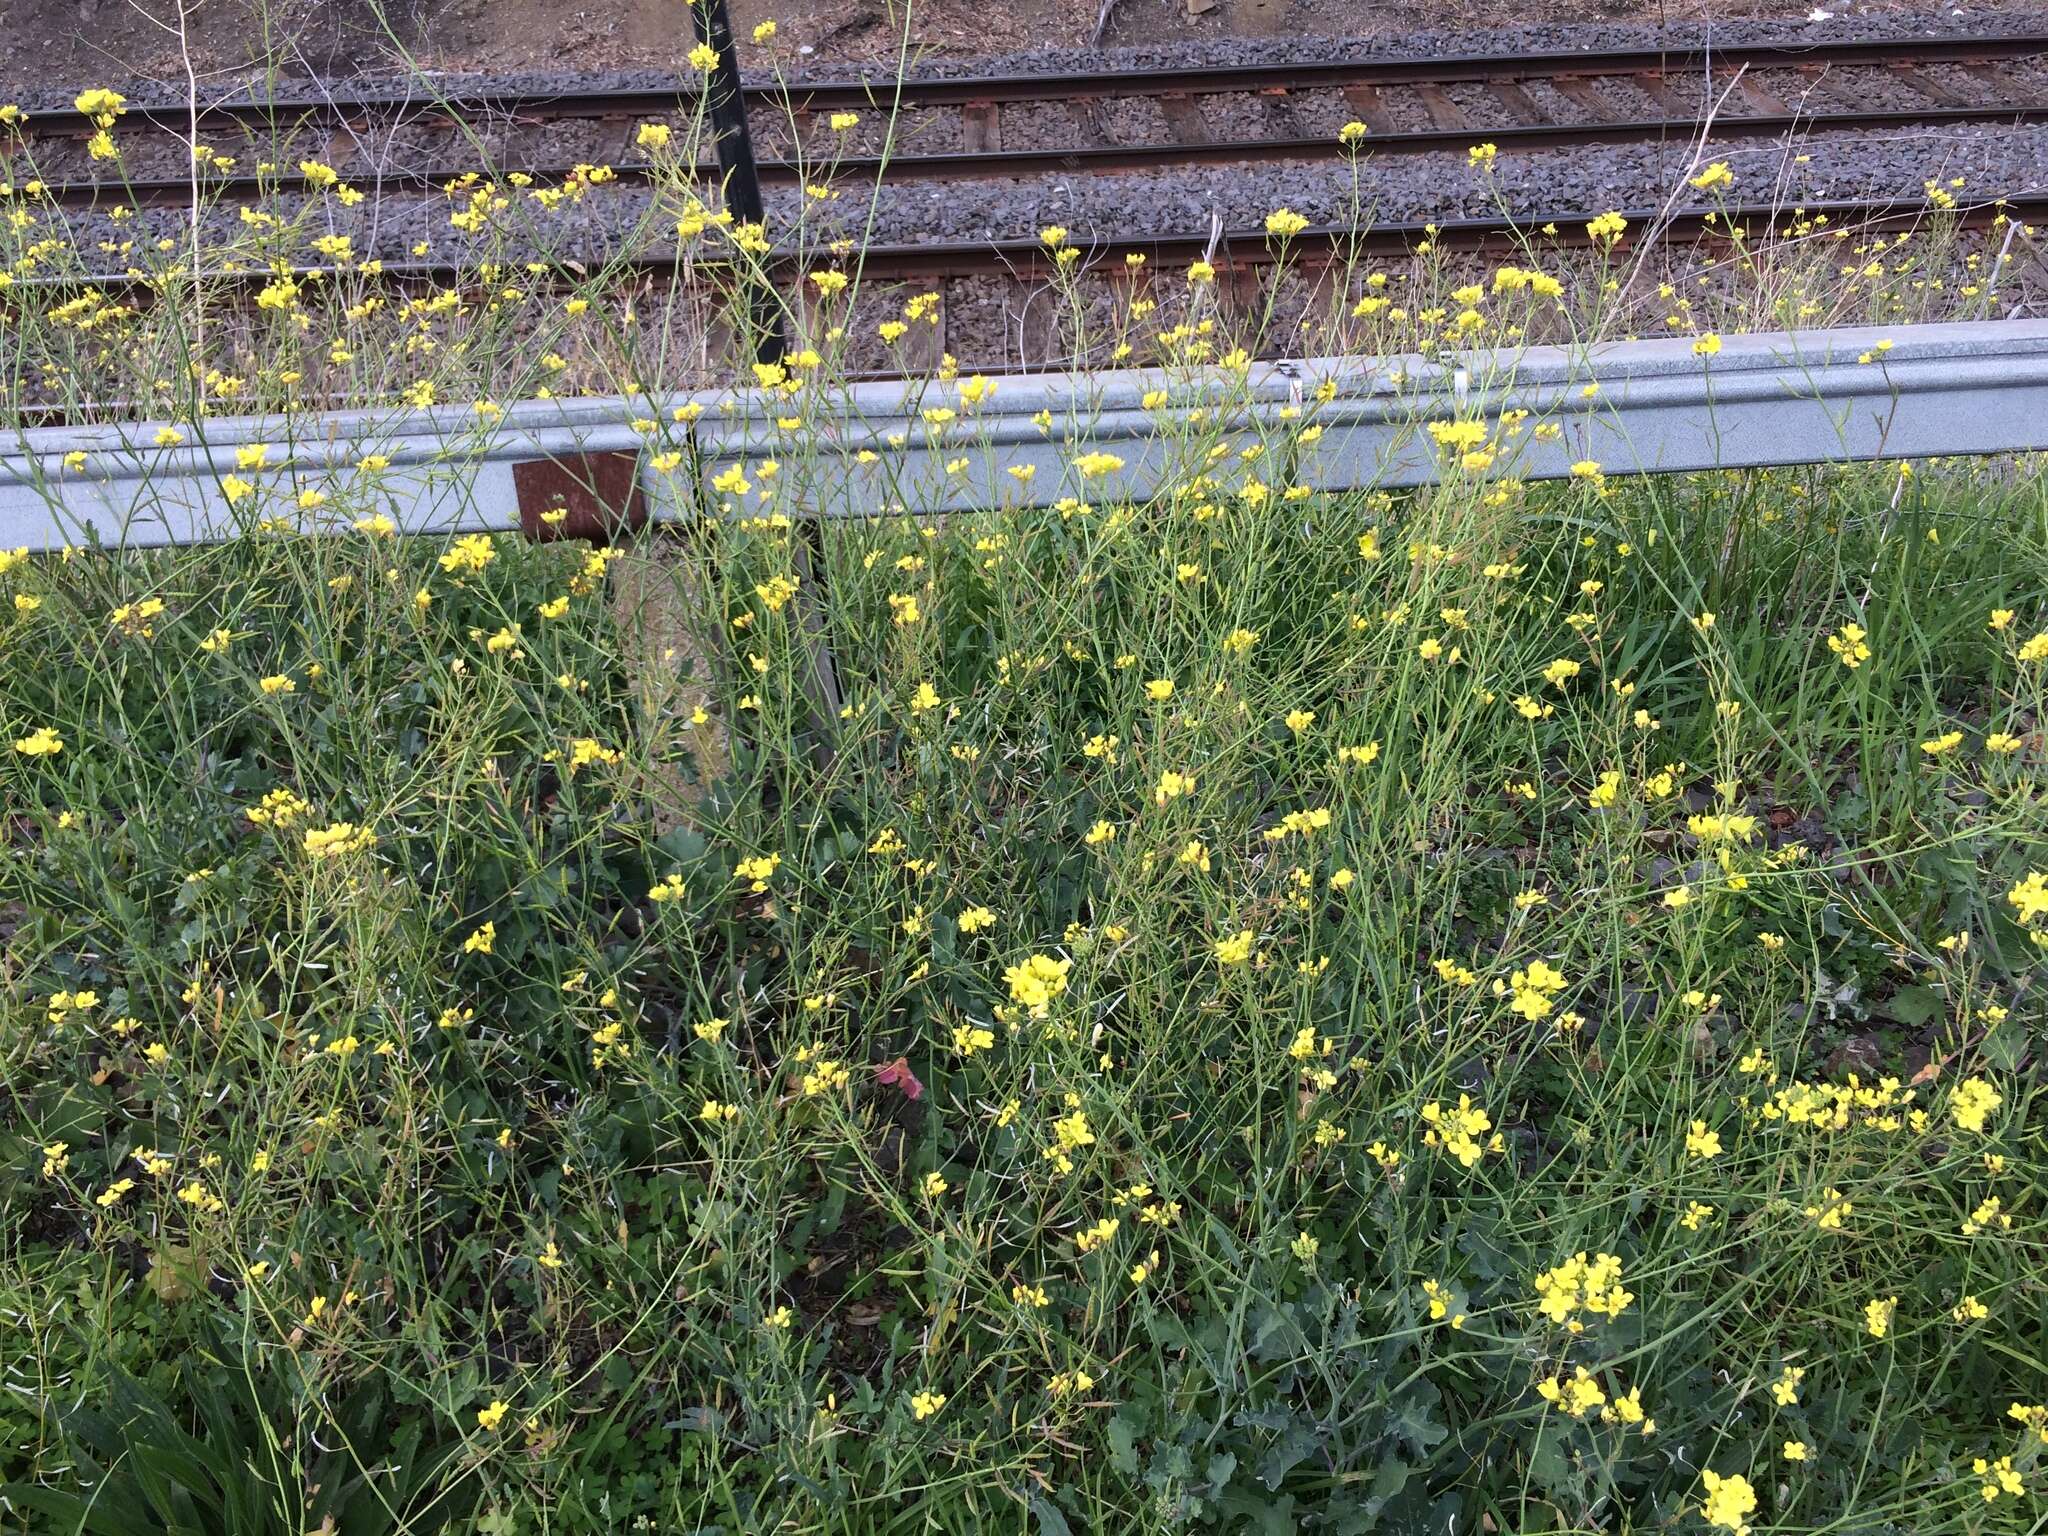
870, 449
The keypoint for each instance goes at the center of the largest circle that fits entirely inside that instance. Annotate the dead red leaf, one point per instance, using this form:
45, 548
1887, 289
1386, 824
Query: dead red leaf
897, 1074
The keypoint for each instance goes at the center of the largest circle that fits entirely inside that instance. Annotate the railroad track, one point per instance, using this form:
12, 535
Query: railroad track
1011, 127
997, 127
1239, 250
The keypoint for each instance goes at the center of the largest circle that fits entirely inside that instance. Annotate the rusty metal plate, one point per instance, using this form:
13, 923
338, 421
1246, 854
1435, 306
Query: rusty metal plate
599, 491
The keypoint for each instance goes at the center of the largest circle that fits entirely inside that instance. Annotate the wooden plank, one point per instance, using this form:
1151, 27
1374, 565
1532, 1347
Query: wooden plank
1371, 107
1443, 111
1518, 102
981, 127
1583, 93
1760, 100
1183, 116
1669, 96
1933, 90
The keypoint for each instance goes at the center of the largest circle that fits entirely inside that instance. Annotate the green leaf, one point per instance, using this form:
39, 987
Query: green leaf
1050, 1521
1915, 1007
1123, 1446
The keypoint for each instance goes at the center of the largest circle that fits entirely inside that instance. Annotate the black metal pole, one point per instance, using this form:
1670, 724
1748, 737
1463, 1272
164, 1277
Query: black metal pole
728, 113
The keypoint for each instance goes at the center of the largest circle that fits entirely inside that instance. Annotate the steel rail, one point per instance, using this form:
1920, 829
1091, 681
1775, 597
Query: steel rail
882, 92
1770, 399
176, 192
1027, 258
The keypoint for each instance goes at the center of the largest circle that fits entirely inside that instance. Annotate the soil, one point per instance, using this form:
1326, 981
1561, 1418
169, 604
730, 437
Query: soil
86, 41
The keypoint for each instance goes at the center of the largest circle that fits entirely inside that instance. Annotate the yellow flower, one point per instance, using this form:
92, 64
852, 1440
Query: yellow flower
488, 1419
100, 102
481, 941
342, 837
43, 741
1715, 175
1848, 644
470, 553
1036, 980
1942, 745
1833, 1211
704, 57
1285, 223
2029, 898
1973, 1102
1441, 1297
1878, 1316
1701, 1142
1458, 1130
1729, 1502
1706, 345
1581, 1284
1482, 155
1998, 1477
1233, 949
1577, 1394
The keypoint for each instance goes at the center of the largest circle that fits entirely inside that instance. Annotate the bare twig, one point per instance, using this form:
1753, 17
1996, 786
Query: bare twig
192, 181
1667, 212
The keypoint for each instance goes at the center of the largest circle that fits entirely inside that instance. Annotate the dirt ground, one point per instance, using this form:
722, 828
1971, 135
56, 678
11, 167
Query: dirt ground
45, 42
54, 41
